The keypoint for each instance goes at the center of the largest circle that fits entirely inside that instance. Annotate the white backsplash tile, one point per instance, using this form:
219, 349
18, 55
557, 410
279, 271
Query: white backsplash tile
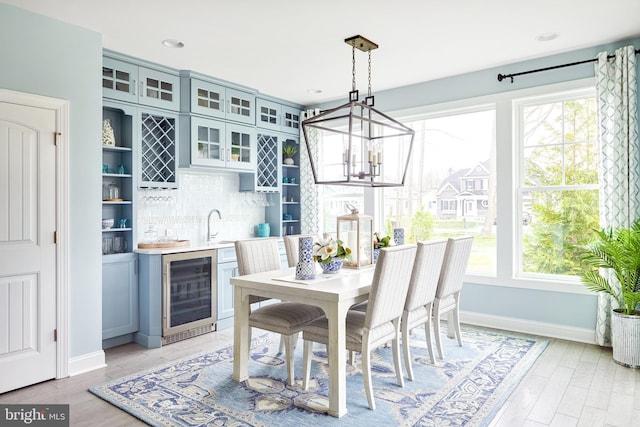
183, 212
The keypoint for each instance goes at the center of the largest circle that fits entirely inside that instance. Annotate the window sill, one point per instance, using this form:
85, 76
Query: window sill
573, 286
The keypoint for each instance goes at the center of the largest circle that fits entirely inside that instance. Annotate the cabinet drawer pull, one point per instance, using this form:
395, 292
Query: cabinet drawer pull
133, 87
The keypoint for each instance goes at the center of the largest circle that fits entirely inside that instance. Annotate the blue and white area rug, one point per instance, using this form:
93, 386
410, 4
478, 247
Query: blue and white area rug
467, 388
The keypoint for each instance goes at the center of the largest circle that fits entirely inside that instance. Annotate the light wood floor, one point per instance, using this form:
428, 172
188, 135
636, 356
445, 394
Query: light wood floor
571, 384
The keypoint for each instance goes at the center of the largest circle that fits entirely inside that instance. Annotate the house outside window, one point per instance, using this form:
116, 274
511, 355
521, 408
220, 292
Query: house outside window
452, 155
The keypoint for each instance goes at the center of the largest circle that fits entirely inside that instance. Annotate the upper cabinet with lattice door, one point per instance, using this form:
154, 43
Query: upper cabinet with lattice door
158, 149
128, 81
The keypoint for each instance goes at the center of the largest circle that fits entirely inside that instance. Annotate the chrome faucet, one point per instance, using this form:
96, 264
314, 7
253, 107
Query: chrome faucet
210, 237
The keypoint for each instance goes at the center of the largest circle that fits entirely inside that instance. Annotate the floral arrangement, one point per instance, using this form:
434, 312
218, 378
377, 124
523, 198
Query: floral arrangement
326, 249
382, 242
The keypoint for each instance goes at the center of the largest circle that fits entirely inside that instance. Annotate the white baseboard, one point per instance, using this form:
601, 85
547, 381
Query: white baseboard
513, 324
86, 362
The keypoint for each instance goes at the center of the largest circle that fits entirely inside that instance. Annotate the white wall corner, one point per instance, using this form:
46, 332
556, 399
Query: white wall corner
87, 362
532, 327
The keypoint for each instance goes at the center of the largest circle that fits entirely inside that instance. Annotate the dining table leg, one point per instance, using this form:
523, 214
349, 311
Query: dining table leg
336, 315
241, 308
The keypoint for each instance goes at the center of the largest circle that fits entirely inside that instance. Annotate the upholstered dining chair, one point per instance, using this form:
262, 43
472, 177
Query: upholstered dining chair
366, 331
284, 318
421, 294
447, 300
292, 247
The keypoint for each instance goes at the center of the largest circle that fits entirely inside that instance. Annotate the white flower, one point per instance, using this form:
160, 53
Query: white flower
326, 248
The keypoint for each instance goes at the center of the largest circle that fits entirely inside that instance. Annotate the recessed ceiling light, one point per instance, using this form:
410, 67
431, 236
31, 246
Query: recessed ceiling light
173, 43
314, 91
546, 37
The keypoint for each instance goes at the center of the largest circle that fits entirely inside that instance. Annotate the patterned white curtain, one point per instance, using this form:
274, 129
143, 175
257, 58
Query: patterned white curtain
309, 199
619, 156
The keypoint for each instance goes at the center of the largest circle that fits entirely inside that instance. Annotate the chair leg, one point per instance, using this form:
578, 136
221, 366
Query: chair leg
427, 332
306, 368
451, 333
289, 342
436, 328
396, 354
366, 374
456, 319
405, 347
281, 349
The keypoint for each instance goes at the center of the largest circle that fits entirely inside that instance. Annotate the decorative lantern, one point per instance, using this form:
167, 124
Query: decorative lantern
356, 232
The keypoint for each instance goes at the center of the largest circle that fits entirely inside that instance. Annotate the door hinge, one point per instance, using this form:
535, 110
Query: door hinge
55, 237
55, 335
56, 136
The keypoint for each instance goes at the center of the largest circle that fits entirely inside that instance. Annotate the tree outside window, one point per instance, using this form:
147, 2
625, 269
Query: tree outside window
559, 181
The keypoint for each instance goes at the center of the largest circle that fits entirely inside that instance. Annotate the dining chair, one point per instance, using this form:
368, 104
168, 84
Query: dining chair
292, 247
418, 306
284, 318
447, 300
366, 331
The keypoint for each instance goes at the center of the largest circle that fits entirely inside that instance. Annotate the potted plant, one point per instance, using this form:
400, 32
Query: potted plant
612, 264
330, 254
289, 151
379, 243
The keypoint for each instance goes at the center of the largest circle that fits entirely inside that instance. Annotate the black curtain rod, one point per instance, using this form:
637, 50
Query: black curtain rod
501, 77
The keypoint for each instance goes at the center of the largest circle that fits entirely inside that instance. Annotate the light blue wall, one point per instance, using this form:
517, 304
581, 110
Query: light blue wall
559, 308
50, 58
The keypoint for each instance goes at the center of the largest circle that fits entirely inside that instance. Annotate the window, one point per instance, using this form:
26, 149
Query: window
558, 180
517, 170
443, 194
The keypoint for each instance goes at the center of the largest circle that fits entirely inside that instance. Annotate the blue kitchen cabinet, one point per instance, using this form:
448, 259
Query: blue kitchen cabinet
119, 299
131, 82
158, 149
227, 268
212, 99
277, 116
266, 178
214, 143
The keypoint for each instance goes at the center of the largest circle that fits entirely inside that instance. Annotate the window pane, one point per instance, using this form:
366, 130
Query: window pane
450, 185
559, 187
561, 219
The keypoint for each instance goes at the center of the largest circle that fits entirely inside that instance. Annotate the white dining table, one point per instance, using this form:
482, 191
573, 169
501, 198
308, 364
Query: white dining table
334, 293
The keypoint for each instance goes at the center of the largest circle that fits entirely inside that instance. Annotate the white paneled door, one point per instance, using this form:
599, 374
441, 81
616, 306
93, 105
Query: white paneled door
27, 247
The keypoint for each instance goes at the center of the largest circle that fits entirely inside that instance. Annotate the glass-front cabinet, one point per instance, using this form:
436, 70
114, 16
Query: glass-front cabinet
276, 116
125, 81
215, 143
215, 100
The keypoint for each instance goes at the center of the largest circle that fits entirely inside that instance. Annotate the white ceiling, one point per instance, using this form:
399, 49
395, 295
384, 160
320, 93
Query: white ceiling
285, 48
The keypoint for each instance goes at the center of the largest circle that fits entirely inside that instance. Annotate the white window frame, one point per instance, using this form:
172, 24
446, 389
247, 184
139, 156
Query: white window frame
518, 106
506, 174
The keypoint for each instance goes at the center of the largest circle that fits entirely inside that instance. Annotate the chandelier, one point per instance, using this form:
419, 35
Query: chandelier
355, 144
